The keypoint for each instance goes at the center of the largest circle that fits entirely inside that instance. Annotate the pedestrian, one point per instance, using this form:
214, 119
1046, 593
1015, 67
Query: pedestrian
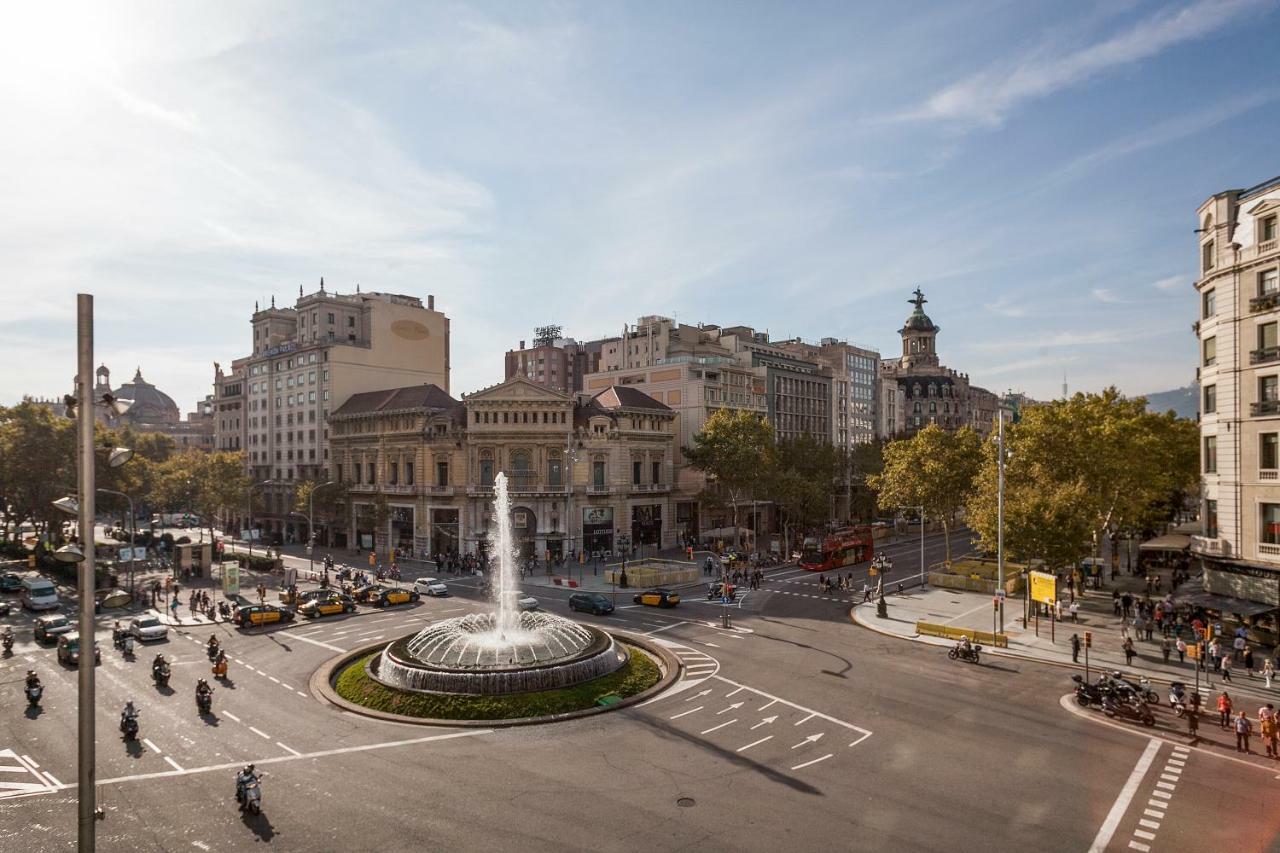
1243, 728
1226, 668
1268, 727
1165, 648
1128, 652
1268, 672
1237, 647
1248, 661
1182, 650
1115, 602
1193, 723
1075, 611
1075, 648
1057, 609
1224, 709
1151, 626
1215, 655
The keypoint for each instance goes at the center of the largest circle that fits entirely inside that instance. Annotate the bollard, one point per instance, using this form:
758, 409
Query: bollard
724, 620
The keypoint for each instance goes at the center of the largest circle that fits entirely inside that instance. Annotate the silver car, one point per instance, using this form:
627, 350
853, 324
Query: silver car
145, 628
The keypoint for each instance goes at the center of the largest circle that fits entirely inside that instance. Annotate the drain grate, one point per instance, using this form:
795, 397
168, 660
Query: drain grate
685, 802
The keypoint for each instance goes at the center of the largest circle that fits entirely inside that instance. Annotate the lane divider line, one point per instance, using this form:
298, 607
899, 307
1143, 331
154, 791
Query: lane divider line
1121, 804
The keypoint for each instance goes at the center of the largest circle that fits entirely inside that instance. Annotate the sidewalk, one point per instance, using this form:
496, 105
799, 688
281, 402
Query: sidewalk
974, 611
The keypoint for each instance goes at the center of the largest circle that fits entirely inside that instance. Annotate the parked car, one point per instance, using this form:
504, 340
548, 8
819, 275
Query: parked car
658, 597
395, 595
262, 614
49, 627
590, 602
367, 594
431, 586
69, 650
522, 601
10, 582
145, 628
332, 604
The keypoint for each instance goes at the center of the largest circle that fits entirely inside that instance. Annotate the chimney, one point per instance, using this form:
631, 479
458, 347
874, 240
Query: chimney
522, 345
431, 302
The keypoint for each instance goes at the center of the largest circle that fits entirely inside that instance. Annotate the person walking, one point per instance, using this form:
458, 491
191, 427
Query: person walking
1128, 651
1165, 648
1226, 667
1215, 655
1224, 709
1075, 648
1193, 723
1182, 650
1237, 647
1248, 661
1268, 672
1243, 729
1075, 611
1150, 627
1268, 727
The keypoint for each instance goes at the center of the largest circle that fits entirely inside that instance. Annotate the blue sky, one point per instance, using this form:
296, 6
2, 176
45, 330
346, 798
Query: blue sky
1035, 167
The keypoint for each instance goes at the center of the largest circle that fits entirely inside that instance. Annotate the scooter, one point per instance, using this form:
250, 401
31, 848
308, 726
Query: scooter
1142, 686
8, 644
1086, 694
1113, 705
212, 651
220, 668
204, 702
970, 654
34, 692
161, 675
249, 795
128, 646
129, 726
1179, 698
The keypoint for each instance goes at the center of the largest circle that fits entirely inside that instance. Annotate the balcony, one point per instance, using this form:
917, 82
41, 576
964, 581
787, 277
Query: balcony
1268, 474
400, 488
1266, 246
650, 487
384, 488
1210, 547
1266, 355
1265, 407
438, 490
1265, 302
599, 489
1268, 549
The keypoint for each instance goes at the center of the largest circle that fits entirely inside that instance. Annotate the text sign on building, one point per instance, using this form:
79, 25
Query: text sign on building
1044, 587
597, 515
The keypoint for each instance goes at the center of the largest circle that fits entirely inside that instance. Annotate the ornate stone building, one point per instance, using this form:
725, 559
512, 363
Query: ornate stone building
585, 472
931, 393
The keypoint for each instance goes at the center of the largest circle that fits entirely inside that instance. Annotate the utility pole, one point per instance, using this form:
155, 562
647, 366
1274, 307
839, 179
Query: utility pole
86, 791
1000, 518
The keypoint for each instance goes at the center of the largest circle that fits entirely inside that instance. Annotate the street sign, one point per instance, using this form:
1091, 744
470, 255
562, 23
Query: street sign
1044, 587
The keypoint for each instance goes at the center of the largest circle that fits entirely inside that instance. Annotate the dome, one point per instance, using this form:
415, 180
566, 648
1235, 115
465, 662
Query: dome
150, 404
919, 321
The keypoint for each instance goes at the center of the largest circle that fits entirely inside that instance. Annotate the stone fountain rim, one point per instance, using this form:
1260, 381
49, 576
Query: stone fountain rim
321, 685
599, 644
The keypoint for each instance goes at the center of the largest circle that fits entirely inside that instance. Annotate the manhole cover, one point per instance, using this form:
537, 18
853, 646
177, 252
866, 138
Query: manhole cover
685, 802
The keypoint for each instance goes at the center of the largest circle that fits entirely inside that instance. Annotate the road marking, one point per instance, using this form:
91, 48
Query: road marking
1121, 805
1166, 786
1144, 848
712, 645
173, 763
151, 746
1149, 836
1168, 777
200, 844
815, 761
762, 707
754, 743
663, 628
251, 669
1158, 804
737, 690
766, 721
328, 646
31, 761
288, 748
285, 686
273, 678
260, 733
1176, 763
698, 695
806, 719
730, 708
1153, 813
721, 726
809, 739
1149, 824
1164, 795
231, 715
686, 713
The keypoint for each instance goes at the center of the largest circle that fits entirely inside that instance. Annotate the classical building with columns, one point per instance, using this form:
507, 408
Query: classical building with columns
585, 472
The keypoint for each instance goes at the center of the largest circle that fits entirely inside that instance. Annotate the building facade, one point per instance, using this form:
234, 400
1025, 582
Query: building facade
1238, 261
591, 473
854, 387
930, 392
554, 362
306, 361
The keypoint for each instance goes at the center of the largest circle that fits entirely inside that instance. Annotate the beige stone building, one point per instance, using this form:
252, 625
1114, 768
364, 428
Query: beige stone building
589, 472
306, 361
1239, 372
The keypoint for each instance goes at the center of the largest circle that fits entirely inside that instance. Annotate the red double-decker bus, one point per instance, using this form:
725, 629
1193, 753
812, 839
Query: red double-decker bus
837, 549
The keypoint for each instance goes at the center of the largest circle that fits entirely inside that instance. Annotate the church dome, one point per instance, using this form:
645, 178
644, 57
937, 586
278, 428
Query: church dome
150, 404
919, 321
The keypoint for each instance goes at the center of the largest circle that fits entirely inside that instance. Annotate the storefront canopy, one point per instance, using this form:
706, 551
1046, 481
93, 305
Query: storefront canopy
1221, 603
1167, 542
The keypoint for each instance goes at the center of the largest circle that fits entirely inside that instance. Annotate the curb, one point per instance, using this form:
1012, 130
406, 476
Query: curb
321, 686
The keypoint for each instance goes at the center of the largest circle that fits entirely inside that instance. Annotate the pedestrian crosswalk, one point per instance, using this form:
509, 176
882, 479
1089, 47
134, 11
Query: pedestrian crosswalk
19, 776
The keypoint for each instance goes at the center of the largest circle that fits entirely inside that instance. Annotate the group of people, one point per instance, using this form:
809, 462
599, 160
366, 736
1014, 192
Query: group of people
1237, 721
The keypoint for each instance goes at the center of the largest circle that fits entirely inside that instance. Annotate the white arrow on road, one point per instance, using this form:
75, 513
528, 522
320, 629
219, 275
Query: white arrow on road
730, 708
765, 721
696, 695
809, 739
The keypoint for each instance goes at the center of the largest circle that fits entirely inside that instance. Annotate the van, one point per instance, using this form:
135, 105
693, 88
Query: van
39, 594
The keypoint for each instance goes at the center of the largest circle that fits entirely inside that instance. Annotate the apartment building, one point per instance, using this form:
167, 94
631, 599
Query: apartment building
556, 363
854, 386
1238, 261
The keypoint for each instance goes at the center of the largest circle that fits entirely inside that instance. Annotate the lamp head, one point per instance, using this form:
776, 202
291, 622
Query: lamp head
116, 405
69, 553
67, 504
117, 456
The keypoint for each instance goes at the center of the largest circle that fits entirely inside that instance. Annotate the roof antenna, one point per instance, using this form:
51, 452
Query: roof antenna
273, 300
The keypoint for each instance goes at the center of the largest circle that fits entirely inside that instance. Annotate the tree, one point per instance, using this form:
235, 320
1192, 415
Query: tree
864, 461
933, 469
801, 481
734, 449
37, 466
329, 504
208, 484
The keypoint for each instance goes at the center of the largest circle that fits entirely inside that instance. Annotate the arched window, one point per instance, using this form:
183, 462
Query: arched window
486, 467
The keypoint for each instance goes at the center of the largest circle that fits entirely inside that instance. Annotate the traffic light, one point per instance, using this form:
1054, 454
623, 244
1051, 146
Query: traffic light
1088, 639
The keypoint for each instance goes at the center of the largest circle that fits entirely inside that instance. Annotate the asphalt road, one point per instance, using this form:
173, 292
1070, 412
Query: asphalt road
794, 730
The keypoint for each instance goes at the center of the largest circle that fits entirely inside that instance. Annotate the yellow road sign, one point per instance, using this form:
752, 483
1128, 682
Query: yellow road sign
1044, 587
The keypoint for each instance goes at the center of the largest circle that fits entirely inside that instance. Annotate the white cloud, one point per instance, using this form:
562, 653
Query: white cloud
1170, 283
989, 95
1007, 306
1104, 295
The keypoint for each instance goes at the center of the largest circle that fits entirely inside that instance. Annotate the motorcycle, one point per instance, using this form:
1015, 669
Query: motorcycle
249, 794
204, 702
212, 651
220, 668
128, 646
1142, 686
1087, 694
8, 644
1115, 705
161, 675
34, 692
129, 726
969, 654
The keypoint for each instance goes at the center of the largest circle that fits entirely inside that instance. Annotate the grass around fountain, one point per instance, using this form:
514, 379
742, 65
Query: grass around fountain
354, 684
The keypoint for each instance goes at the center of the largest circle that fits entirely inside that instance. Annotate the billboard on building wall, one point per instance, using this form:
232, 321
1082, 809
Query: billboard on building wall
597, 515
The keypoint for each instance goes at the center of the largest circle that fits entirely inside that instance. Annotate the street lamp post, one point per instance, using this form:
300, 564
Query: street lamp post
87, 706
133, 531
248, 512
1000, 519
311, 527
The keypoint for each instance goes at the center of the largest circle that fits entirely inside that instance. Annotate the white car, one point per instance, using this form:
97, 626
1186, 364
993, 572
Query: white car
522, 600
145, 628
430, 586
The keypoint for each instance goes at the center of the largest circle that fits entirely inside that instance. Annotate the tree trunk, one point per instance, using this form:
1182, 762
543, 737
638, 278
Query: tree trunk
946, 536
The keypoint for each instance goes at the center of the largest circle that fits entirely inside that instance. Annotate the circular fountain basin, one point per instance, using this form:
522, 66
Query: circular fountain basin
481, 654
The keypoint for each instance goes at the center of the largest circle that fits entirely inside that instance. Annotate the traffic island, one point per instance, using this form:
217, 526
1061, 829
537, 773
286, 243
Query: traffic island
349, 682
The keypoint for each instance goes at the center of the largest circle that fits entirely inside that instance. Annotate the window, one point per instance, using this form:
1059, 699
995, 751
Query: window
338, 475
1267, 229
486, 472
1267, 388
597, 472
373, 477
635, 471
1268, 282
351, 322
1270, 532
356, 470
1206, 256
1269, 451
442, 473
1211, 519
331, 319
1211, 454
1209, 303
1266, 336
408, 473
394, 472
1210, 351
657, 472
555, 471
1210, 399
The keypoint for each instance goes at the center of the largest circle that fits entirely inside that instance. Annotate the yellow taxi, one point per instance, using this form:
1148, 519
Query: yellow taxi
262, 614
332, 604
386, 597
658, 597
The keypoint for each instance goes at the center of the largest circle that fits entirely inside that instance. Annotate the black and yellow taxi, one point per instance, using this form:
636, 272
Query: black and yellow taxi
330, 604
262, 614
367, 594
658, 597
394, 595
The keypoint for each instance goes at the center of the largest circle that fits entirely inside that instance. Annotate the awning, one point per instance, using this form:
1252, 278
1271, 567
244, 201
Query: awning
1191, 528
1167, 542
1221, 603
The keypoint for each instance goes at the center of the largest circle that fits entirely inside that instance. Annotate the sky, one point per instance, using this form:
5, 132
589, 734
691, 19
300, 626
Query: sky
798, 167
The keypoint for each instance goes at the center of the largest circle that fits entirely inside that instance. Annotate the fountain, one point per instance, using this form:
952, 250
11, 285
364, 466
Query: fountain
505, 651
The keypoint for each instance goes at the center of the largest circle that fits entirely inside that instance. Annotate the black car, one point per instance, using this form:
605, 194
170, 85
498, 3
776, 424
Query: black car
10, 582
590, 602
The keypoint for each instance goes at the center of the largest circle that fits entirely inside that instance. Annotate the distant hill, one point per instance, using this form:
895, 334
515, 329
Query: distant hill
1185, 402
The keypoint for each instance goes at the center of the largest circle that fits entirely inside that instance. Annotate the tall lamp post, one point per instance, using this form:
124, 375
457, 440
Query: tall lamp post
248, 512
311, 525
71, 506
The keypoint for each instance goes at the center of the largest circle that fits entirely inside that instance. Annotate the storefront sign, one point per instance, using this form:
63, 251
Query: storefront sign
1044, 587
597, 515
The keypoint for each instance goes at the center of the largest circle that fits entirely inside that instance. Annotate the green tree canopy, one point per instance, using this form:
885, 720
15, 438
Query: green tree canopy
735, 449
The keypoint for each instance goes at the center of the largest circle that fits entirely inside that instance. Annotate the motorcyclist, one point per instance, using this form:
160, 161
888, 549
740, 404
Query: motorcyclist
33, 680
7, 638
220, 663
213, 644
243, 778
159, 666
203, 691
963, 646
129, 713
117, 635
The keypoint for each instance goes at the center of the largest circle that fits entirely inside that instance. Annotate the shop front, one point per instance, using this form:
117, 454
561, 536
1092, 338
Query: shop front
687, 522
445, 531
402, 528
646, 525
524, 530
597, 529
